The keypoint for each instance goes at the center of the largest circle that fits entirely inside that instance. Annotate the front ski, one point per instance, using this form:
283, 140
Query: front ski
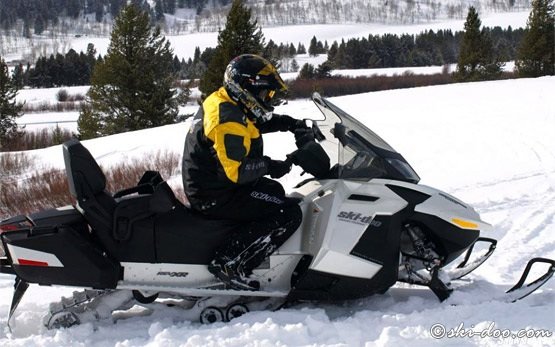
466, 266
521, 290
439, 280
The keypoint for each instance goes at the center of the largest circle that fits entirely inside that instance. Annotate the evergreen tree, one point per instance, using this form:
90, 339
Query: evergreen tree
241, 35
9, 109
476, 56
313, 47
158, 10
18, 76
294, 65
536, 54
307, 72
131, 88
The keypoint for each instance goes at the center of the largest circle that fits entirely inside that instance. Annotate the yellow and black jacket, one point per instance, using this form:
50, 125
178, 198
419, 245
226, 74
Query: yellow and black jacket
224, 148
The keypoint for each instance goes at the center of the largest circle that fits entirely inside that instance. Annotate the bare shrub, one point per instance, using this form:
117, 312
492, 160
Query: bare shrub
341, 85
43, 190
29, 140
12, 164
128, 174
45, 106
62, 95
49, 189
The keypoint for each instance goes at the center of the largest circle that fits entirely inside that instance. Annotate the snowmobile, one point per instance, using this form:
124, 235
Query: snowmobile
367, 224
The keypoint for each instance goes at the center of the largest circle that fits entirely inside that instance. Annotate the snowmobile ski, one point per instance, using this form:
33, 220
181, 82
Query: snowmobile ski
20, 287
466, 267
520, 290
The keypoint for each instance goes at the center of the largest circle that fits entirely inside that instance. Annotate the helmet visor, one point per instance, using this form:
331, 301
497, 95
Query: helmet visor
266, 95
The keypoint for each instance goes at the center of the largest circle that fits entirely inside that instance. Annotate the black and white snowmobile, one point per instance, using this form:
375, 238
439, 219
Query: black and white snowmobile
367, 224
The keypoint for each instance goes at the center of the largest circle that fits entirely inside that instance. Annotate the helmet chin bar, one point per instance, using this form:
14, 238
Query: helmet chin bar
246, 99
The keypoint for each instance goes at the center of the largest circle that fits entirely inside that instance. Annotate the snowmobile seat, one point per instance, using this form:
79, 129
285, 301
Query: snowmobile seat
87, 184
123, 223
183, 236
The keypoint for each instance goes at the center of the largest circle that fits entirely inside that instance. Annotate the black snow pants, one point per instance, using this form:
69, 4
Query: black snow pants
269, 218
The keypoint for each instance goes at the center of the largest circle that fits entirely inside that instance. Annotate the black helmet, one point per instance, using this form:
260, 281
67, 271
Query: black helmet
252, 81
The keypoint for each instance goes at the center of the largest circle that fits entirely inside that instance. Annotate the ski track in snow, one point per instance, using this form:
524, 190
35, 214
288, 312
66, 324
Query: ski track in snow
518, 199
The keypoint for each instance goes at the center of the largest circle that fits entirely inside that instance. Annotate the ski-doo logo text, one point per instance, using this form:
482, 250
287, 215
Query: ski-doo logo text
266, 197
172, 274
358, 218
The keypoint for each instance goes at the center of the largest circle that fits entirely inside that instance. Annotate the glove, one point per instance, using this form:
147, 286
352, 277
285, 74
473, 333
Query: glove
303, 136
291, 124
278, 168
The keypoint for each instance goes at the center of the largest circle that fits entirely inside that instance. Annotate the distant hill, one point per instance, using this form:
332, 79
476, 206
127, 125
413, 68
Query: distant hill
40, 17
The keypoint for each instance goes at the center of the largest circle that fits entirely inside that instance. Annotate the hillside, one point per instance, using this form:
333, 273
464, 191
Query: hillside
488, 143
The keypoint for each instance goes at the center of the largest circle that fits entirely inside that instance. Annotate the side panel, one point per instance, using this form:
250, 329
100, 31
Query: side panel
354, 237
61, 256
352, 219
274, 274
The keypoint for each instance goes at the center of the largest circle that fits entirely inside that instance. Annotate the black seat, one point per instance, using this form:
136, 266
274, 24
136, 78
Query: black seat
152, 226
186, 237
87, 184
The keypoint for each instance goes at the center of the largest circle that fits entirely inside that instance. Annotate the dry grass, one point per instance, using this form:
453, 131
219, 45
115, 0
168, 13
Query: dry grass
21, 194
12, 164
341, 85
66, 106
29, 140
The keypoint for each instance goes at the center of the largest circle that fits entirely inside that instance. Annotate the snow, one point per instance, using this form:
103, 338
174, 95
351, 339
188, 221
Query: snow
184, 45
490, 144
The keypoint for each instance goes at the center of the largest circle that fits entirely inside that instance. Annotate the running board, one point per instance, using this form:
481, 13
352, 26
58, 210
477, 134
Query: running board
217, 289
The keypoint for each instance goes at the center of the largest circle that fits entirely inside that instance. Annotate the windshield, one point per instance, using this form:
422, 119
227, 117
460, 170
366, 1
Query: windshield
359, 152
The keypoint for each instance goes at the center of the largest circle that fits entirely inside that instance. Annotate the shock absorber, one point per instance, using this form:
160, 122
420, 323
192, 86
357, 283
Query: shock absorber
423, 248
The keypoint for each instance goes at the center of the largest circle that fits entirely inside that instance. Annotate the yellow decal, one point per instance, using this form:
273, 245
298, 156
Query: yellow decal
464, 224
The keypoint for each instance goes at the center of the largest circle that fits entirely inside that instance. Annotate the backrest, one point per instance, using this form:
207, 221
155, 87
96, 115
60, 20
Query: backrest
87, 184
85, 178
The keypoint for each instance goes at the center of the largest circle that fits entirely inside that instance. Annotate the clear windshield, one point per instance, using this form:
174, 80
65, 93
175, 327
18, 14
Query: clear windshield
359, 152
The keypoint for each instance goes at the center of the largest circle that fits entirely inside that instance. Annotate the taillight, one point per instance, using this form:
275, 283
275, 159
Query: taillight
6, 228
9, 227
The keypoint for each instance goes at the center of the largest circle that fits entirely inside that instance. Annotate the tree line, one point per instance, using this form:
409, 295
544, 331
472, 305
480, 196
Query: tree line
424, 49
75, 69
375, 51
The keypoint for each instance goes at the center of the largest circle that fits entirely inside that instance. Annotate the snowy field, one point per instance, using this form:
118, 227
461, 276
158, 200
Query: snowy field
184, 45
490, 144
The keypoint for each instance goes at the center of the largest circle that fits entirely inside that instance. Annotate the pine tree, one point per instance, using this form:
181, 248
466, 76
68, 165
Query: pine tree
294, 65
9, 108
536, 54
132, 88
476, 57
241, 35
307, 72
313, 47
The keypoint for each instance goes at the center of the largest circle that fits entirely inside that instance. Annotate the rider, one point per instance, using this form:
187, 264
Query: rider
224, 168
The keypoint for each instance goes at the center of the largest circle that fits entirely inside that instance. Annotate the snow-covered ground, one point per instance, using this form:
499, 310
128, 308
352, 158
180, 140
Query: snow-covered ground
490, 144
